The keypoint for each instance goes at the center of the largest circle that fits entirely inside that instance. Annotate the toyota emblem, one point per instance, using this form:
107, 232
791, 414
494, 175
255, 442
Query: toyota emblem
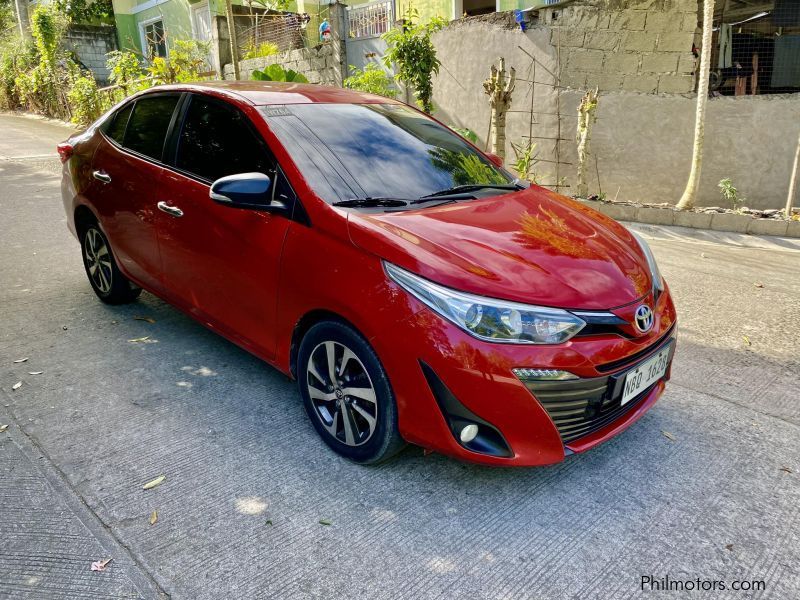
643, 318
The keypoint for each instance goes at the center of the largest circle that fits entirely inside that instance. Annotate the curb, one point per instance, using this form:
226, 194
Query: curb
695, 220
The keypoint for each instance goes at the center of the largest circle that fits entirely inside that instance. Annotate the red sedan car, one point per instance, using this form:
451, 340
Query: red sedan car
413, 287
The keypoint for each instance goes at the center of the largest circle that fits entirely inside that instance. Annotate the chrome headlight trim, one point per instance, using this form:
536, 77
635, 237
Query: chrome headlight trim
655, 272
490, 319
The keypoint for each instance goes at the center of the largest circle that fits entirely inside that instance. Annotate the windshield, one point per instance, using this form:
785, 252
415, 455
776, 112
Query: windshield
349, 151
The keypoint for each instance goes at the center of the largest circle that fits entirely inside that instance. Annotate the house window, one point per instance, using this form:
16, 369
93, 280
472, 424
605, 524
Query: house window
154, 40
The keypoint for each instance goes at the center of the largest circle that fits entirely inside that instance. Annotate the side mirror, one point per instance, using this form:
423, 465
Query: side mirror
245, 190
494, 158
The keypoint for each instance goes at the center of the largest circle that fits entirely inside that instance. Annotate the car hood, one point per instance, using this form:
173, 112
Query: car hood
532, 246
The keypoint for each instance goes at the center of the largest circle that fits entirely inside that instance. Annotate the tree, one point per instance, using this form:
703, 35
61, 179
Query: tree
499, 90
82, 11
690, 193
793, 181
586, 118
411, 49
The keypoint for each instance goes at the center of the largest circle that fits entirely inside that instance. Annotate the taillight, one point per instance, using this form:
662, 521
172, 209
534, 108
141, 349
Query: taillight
64, 151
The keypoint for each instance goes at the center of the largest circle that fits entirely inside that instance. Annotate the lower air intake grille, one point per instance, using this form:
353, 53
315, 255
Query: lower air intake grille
583, 406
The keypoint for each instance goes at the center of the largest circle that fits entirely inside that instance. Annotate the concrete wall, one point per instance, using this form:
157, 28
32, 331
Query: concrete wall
631, 45
91, 43
324, 64
643, 145
642, 141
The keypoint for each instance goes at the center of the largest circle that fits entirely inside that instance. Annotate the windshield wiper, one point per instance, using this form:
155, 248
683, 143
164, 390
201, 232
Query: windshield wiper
369, 202
471, 187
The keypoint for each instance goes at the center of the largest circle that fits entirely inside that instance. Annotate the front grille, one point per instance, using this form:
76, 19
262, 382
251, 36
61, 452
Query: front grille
582, 406
636, 356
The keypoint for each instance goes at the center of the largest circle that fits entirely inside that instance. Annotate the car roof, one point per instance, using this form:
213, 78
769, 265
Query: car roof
261, 93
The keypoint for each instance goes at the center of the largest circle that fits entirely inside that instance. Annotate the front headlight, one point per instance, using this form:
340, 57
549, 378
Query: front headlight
489, 319
658, 281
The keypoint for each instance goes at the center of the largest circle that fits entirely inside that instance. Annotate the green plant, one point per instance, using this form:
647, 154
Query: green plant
125, 69
730, 193
278, 73
466, 133
411, 49
524, 160
40, 87
84, 100
263, 49
373, 80
17, 56
187, 59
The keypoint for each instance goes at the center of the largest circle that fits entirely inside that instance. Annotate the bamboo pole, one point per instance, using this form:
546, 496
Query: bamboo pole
232, 39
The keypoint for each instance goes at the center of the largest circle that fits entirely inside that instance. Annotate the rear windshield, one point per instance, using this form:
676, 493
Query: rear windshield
350, 151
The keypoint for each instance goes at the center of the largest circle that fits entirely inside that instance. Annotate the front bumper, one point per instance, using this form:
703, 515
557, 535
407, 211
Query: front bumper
524, 414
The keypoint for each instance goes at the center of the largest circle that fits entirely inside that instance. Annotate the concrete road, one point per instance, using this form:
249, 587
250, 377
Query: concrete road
706, 486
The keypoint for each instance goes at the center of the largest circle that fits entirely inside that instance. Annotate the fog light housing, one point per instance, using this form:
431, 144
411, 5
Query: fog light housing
468, 433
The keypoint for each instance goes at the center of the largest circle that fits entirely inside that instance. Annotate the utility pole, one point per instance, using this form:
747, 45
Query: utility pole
23, 20
231, 37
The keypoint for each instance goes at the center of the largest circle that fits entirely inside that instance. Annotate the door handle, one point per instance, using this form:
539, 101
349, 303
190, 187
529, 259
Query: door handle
101, 176
170, 210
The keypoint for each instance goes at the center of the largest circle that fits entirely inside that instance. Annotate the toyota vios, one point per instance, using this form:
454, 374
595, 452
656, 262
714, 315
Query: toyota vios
415, 289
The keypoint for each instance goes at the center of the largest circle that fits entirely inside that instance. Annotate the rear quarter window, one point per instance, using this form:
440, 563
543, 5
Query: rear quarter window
115, 128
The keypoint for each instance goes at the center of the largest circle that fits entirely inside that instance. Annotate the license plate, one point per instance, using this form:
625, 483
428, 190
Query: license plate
645, 375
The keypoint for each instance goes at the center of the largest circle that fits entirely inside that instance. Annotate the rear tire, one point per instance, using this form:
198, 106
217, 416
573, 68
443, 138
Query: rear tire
346, 393
107, 281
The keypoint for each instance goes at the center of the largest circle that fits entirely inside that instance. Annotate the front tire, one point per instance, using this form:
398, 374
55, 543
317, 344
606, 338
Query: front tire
346, 393
107, 281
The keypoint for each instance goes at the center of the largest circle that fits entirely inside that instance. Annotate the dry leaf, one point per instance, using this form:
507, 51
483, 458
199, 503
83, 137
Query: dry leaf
758, 284
3, 428
16, 386
35, 372
746, 340
151, 484
21, 360
150, 320
141, 339
324, 522
154, 517
729, 547
100, 565
784, 469
668, 435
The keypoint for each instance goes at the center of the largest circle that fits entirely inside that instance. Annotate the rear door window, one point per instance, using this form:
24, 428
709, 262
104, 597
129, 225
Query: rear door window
218, 140
148, 125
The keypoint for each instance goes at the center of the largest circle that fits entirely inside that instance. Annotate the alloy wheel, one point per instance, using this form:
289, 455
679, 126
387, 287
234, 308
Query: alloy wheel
98, 260
342, 393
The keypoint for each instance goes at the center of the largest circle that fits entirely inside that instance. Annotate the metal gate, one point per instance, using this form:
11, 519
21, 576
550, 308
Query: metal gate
366, 23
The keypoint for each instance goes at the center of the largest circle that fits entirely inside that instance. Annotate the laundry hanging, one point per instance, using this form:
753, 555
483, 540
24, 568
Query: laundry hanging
725, 46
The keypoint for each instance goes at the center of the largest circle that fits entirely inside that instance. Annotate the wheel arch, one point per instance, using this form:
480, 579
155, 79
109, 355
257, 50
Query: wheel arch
83, 216
306, 322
